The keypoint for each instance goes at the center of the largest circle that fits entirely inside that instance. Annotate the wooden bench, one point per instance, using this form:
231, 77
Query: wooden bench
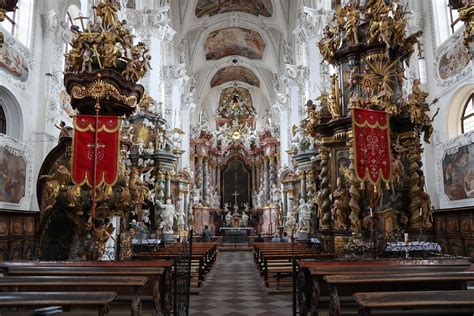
79, 282
311, 286
155, 275
100, 300
388, 282
275, 260
164, 283
202, 259
431, 300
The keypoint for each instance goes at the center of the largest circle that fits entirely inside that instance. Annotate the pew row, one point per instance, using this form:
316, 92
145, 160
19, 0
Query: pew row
311, 285
403, 281
157, 273
22, 300
456, 301
78, 283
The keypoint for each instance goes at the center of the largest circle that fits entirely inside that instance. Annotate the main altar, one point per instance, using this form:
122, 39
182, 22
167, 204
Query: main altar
240, 159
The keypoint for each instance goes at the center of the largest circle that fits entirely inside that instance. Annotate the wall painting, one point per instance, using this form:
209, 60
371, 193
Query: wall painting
453, 61
458, 172
12, 177
13, 63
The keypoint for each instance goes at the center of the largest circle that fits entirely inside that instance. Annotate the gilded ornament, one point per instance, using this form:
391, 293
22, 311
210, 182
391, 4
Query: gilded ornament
100, 89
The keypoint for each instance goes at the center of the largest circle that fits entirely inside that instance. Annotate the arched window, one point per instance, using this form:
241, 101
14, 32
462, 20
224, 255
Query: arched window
446, 20
467, 120
18, 23
3, 121
72, 15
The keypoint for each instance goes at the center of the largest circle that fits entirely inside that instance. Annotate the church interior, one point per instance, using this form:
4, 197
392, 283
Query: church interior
236, 157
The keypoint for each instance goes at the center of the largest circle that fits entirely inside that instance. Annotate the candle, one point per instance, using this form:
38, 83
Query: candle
371, 213
406, 237
421, 211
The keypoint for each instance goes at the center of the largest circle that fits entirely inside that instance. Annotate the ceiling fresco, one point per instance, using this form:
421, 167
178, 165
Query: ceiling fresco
213, 7
235, 73
234, 41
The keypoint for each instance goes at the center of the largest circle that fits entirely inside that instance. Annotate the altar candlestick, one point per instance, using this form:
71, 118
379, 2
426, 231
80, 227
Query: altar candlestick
371, 213
421, 211
406, 237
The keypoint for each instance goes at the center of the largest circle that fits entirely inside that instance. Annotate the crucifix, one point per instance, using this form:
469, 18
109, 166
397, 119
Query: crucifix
236, 194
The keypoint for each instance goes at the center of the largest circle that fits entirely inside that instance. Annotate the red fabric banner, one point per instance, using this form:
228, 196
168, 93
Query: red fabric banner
108, 145
372, 145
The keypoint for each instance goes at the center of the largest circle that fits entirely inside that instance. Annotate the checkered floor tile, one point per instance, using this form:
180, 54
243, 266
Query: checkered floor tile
234, 287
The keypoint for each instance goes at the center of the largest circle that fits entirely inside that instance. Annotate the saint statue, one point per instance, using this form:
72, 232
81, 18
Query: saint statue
168, 215
228, 219
180, 215
195, 195
244, 220
304, 216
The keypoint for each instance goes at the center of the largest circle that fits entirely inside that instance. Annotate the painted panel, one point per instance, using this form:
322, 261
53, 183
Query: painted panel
458, 173
213, 7
12, 177
234, 41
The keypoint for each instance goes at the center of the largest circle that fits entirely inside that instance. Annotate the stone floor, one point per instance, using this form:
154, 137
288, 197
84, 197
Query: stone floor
234, 287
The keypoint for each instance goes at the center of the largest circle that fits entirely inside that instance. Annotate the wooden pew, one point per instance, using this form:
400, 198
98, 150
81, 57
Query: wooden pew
100, 300
386, 282
202, 259
68, 283
431, 300
164, 284
311, 286
155, 275
274, 260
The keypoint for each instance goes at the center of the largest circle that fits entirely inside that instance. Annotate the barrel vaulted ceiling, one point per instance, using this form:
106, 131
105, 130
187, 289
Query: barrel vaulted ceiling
231, 43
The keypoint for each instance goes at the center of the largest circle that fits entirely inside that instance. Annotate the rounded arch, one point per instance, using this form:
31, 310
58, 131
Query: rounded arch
453, 124
13, 114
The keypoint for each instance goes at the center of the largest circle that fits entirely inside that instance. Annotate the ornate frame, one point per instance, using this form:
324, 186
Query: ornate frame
440, 152
21, 149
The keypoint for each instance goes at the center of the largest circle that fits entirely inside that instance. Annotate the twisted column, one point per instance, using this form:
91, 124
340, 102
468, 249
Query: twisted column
414, 181
355, 195
323, 198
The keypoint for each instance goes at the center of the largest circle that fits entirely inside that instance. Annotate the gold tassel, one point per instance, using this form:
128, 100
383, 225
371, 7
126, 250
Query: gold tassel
362, 186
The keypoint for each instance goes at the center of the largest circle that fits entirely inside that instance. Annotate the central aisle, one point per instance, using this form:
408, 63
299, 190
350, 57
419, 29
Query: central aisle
234, 287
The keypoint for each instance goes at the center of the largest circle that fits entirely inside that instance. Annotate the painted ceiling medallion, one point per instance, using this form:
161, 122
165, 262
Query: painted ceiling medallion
235, 73
234, 41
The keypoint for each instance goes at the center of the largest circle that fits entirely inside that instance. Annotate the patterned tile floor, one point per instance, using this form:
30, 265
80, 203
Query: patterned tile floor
234, 287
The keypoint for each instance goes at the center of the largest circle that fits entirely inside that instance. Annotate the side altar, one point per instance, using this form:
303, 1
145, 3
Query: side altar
358, 151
